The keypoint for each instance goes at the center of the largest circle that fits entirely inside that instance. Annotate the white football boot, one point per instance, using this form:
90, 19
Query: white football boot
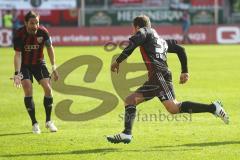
118, 138
220, 112
36, 129
50, 125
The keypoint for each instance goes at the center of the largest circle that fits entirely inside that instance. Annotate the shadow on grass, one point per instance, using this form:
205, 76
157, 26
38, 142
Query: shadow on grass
94, 151
14, 134
88, 151
206, 144
23, 133
173, 148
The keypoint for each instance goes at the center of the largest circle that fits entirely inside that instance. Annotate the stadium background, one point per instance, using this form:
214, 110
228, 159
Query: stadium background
79, 22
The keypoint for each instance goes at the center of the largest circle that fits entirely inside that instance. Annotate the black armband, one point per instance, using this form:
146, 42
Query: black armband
16, 73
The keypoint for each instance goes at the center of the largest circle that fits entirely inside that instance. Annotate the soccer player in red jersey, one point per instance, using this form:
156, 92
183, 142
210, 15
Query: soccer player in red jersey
29, 42
154, 52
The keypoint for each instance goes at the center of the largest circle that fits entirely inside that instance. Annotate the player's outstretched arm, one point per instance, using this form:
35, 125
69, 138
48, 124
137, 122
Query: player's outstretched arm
135, 41
125, 53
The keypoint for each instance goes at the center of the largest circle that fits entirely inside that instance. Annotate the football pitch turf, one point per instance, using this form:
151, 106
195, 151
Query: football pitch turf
214, 74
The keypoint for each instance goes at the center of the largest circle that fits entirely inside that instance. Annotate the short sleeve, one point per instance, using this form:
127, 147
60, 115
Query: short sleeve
17, 42
46, 37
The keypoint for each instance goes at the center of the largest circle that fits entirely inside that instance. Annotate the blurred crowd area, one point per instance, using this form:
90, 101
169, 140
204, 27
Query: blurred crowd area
119, 12
97, 22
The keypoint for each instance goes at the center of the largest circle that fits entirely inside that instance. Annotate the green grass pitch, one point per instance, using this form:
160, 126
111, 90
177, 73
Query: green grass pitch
214, 74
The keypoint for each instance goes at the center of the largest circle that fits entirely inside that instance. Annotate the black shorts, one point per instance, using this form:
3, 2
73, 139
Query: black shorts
159, 85
38, 71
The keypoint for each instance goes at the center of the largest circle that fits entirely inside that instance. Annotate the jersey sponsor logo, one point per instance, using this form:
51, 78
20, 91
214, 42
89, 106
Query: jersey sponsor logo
228, 34
40, 39
30, 47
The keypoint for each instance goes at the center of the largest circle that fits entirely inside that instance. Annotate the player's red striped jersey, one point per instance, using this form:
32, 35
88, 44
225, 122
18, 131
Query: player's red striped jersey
31, 45
154, 50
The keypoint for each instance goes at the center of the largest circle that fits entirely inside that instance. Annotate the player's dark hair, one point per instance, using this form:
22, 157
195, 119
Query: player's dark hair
141, 21
30, 14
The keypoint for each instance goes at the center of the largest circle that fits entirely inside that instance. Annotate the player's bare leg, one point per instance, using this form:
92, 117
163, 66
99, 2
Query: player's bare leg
172, 106
27, 87
29, 103
134, 99
130, 112
48, 101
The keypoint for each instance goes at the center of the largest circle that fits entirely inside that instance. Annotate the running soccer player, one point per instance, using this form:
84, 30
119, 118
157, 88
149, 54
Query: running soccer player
29, 42
154, 53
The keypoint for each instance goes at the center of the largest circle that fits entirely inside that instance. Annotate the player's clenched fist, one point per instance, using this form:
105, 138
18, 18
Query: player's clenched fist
184, 77
115, 67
